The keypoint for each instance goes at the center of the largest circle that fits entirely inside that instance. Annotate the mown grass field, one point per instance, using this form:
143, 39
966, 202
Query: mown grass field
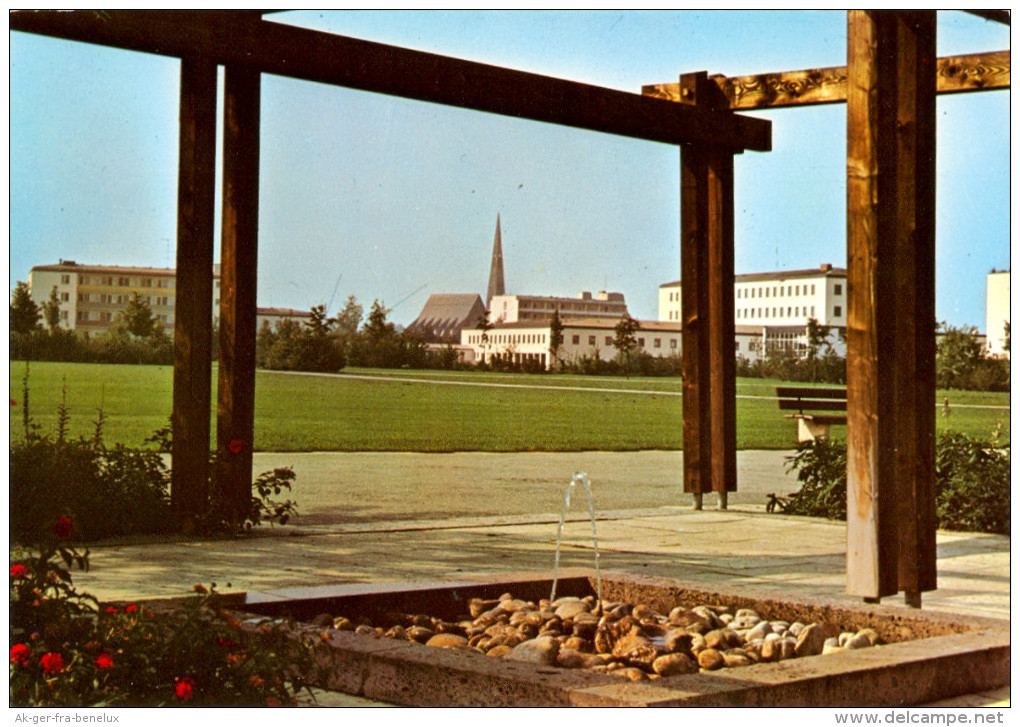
431, 411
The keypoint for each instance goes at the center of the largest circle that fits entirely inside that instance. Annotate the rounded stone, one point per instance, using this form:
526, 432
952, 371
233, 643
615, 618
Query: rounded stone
419, 634
571, 609
501, 650
537, 651
445, 641
858, 641
711, 659
323, 619
831, 648
871, 634
810, 641
845, 637
735, 659
678, 641
759, 631
669, 665
365, 630
341, 623
787, 649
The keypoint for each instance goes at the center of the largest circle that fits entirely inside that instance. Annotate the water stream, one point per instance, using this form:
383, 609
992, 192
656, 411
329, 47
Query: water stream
581, 477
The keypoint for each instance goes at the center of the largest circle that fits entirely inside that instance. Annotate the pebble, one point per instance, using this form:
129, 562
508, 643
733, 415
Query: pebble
631, 640
537, 651
445, 641
569, 610
669, 665
760, 631
711, 659
858, 641
810, 641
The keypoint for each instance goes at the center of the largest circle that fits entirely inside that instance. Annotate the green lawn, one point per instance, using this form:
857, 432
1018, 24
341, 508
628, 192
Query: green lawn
309, 413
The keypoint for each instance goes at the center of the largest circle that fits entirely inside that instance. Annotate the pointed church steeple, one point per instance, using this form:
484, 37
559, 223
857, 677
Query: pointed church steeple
496, 284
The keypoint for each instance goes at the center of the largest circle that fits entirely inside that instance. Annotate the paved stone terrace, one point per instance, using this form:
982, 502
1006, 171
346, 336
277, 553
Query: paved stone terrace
742, 545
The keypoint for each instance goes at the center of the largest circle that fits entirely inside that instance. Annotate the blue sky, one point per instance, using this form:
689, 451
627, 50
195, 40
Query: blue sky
385, 198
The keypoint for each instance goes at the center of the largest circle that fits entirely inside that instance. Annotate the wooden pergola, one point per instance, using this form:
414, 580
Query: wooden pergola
889, 86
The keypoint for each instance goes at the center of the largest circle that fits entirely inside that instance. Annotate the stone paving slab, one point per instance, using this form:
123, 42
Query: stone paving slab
742, 545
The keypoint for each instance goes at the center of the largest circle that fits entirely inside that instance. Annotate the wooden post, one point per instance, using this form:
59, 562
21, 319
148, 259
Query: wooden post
708, 353
238, 276
891, 303
193, 305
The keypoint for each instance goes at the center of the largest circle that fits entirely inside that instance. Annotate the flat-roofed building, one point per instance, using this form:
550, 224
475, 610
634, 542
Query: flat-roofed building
778, 305
997, 313
523, 342
93, 296
518, 308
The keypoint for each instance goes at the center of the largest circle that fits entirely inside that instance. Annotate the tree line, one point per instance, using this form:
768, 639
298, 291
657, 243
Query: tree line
328, 344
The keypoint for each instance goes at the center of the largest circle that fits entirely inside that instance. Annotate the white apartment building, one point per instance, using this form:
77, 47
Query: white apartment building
524, 341
771, 310
997, 312
516, 308
92, 296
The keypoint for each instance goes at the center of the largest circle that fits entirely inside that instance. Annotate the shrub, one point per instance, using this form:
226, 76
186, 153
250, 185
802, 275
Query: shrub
971, 482
115, 491
67, 651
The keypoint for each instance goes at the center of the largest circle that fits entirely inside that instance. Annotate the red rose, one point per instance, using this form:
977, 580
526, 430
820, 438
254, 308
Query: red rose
131, 609
104, 661
20, 654
236, 446
184, 688
64, 527
52, 662
226, 643
111, 609
18, 571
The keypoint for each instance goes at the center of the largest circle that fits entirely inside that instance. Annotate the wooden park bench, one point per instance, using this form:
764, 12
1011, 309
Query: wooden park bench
805, 400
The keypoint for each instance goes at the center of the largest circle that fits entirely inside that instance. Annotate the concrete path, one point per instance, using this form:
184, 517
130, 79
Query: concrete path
389, 540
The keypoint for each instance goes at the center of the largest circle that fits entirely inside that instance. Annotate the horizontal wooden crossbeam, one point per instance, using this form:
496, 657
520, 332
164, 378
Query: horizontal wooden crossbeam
311, 55
976, 72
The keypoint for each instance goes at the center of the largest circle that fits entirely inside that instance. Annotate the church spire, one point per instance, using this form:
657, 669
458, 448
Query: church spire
496, 284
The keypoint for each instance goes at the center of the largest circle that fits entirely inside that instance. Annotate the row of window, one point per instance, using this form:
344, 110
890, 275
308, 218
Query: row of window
509, 338
104, 316
656, 342
111, 299
791, 311
773, 291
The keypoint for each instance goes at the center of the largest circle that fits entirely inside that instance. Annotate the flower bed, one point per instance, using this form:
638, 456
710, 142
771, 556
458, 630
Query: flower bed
68, 650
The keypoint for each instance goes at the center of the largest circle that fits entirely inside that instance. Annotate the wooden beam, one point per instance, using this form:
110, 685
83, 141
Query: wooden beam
316, 56
235, 428
707, 278
955, 74
193, 304
891, 313
996, 16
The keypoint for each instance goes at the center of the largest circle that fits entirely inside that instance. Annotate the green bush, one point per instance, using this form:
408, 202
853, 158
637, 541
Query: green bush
115, 491
971, 482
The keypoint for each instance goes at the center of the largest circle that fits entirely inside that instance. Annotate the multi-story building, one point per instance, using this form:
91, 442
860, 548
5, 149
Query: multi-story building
528, 341
520, 308
771, 310
997, 313
92, 296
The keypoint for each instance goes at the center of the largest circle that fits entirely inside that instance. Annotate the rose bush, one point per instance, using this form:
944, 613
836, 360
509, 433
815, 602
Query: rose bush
66, 650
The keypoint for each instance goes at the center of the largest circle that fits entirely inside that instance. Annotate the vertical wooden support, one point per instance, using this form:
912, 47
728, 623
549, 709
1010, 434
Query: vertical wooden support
708, 353
193, 305
238, 276
891, 305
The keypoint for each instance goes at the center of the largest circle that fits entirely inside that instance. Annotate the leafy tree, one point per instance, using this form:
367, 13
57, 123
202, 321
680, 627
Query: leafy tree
626, 338
957, 355
138, 318
376, 327
485, 325
318, 323
817, 336
24, 312
1005, 328
51, 310
348, 320
555, 335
